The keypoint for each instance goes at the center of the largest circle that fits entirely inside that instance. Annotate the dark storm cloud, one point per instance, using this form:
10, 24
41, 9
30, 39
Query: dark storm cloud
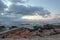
2, 6
30, 10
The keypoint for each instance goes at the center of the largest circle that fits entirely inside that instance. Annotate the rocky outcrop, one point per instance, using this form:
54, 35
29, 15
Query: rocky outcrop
41, 31
2, 28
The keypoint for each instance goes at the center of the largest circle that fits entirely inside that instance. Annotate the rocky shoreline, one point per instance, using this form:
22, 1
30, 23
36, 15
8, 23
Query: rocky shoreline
40, 31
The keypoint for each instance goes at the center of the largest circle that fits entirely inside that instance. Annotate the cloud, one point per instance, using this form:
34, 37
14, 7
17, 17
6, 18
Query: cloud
36, 18
17, 14
18, 1
29, 10
2, 6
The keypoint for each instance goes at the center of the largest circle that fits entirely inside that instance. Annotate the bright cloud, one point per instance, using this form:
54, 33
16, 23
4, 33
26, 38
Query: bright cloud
20, 10
7, 2
37, 18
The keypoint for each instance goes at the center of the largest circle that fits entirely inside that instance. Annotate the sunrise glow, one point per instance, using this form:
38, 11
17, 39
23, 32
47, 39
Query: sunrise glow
37, 18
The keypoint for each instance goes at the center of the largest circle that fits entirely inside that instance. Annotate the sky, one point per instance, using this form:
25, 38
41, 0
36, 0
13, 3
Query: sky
51, 5
13, 12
